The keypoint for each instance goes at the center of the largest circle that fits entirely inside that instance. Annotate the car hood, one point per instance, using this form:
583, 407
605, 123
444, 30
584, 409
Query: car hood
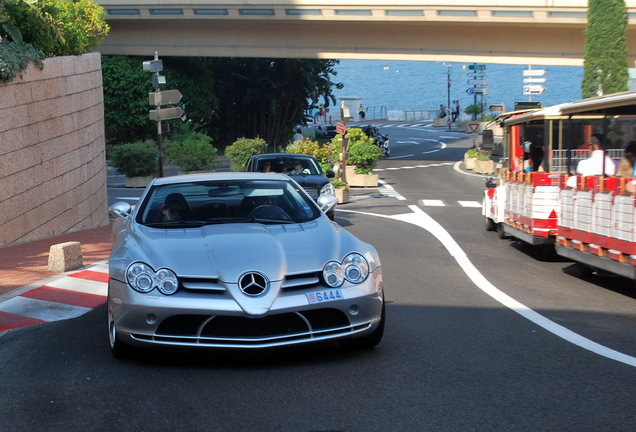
225, 252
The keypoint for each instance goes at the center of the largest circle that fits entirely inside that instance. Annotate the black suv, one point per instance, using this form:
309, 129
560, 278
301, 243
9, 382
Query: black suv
307, 172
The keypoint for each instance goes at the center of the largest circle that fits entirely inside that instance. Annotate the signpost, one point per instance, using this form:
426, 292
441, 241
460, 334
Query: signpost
478, 82
341, 128
159, 98
531, 85
533, 89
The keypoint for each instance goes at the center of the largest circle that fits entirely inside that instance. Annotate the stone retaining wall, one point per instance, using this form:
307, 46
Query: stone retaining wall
52, 151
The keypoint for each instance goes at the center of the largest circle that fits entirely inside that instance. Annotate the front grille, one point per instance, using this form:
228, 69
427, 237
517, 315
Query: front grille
228, 331
312, 192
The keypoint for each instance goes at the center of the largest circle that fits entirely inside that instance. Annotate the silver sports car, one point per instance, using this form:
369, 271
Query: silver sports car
241, 261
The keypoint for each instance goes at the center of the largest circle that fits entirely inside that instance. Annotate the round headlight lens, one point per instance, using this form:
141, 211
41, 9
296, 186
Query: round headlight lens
333, 274
140, 277
356, 268
167, 282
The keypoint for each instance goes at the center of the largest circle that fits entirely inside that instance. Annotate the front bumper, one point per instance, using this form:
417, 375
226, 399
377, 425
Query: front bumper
215, 320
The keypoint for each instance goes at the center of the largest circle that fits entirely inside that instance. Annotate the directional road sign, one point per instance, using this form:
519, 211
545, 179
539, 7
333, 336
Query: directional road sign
533, 89
478, 82
166, 113
153, 65
478, 67
534, 72
470, 91
165, 97
481, 91
534, 80
341, 128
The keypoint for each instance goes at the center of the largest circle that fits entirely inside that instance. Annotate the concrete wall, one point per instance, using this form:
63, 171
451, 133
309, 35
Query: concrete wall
52, 151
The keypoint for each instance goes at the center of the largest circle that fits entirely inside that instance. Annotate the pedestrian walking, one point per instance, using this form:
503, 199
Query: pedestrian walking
361, 112
453, 110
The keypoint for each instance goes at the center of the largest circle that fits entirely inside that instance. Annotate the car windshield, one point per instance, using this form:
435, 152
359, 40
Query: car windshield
194, 204
288, 165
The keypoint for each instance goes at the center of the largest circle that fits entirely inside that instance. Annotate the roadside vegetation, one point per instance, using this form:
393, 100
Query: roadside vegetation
36, 29
605, 56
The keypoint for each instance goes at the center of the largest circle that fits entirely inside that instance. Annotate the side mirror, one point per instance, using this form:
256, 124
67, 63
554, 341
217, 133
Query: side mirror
330, 174
120, 209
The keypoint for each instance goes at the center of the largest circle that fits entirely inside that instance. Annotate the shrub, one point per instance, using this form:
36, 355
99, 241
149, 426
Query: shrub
196, 153
58, 27
323, 153
137, 159
14, 59
473, 110
242, 149
362, 152
337, 183
472, 152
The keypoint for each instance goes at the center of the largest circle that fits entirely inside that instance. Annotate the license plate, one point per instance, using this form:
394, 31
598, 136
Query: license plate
324, 296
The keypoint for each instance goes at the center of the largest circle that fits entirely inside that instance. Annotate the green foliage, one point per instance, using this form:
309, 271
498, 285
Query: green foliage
182, 130
605, 55
126, 88
137, 159
196, 153
473, 109
337, 183
362, 152
483, 156
261, 97
486, 117
307, 146
242, 149
58, 27
472, 152
14, 59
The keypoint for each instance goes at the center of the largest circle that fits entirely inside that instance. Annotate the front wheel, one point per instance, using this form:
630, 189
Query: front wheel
117, 348
490, 224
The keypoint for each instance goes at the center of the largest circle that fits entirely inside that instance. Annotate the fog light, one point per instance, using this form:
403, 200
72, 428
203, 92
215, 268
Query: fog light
151, 318
353, 310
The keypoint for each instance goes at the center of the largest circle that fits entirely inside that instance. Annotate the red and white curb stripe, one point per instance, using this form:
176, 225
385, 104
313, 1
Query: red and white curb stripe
57, 298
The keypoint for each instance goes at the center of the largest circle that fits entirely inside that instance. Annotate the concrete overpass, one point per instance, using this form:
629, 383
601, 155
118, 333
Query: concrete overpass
545, 32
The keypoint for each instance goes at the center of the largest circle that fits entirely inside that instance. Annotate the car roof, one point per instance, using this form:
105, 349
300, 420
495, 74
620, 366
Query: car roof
283, 155
187, 178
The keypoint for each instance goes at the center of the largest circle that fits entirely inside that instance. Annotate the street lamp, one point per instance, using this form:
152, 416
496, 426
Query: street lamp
448, 73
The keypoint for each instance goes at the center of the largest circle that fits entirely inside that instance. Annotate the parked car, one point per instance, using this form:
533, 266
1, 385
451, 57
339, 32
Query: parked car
311, 177
238, 261
325, 131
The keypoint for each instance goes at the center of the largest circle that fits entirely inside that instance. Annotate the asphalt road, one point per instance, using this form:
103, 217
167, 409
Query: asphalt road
455, 356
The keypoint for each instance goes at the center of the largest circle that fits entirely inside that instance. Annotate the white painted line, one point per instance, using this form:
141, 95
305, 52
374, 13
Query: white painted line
433, 203
469, 204
80, 285
424, 221
41, 309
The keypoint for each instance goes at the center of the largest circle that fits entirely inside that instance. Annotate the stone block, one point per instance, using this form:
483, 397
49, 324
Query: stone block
65, 256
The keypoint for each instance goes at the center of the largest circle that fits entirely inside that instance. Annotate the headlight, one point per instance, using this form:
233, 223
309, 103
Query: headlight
328, 189
141, 277
333, 274
356, 268
167, 282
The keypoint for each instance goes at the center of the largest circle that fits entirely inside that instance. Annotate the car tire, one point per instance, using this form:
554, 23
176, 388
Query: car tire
490, 224
500, 231
331, 214
117, 348
371, 340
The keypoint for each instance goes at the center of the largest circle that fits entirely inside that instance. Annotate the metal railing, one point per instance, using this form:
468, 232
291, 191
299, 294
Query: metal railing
560, 158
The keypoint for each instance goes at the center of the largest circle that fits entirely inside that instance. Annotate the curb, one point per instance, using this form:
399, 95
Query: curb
57, 298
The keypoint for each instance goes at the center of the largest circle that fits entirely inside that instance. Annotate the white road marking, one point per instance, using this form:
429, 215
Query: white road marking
419, 218
433, 203
469, 203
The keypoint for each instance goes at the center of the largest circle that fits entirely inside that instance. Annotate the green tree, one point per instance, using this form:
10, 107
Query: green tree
57, 27
126, 88
605, 57
267, 98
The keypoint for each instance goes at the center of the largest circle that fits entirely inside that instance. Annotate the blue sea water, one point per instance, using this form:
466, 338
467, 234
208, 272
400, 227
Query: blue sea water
414, 85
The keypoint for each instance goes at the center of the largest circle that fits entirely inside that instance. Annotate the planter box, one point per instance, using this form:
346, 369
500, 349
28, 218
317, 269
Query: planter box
138, 182
440, 122
484, 167
469, 162
342, 194
360, 180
